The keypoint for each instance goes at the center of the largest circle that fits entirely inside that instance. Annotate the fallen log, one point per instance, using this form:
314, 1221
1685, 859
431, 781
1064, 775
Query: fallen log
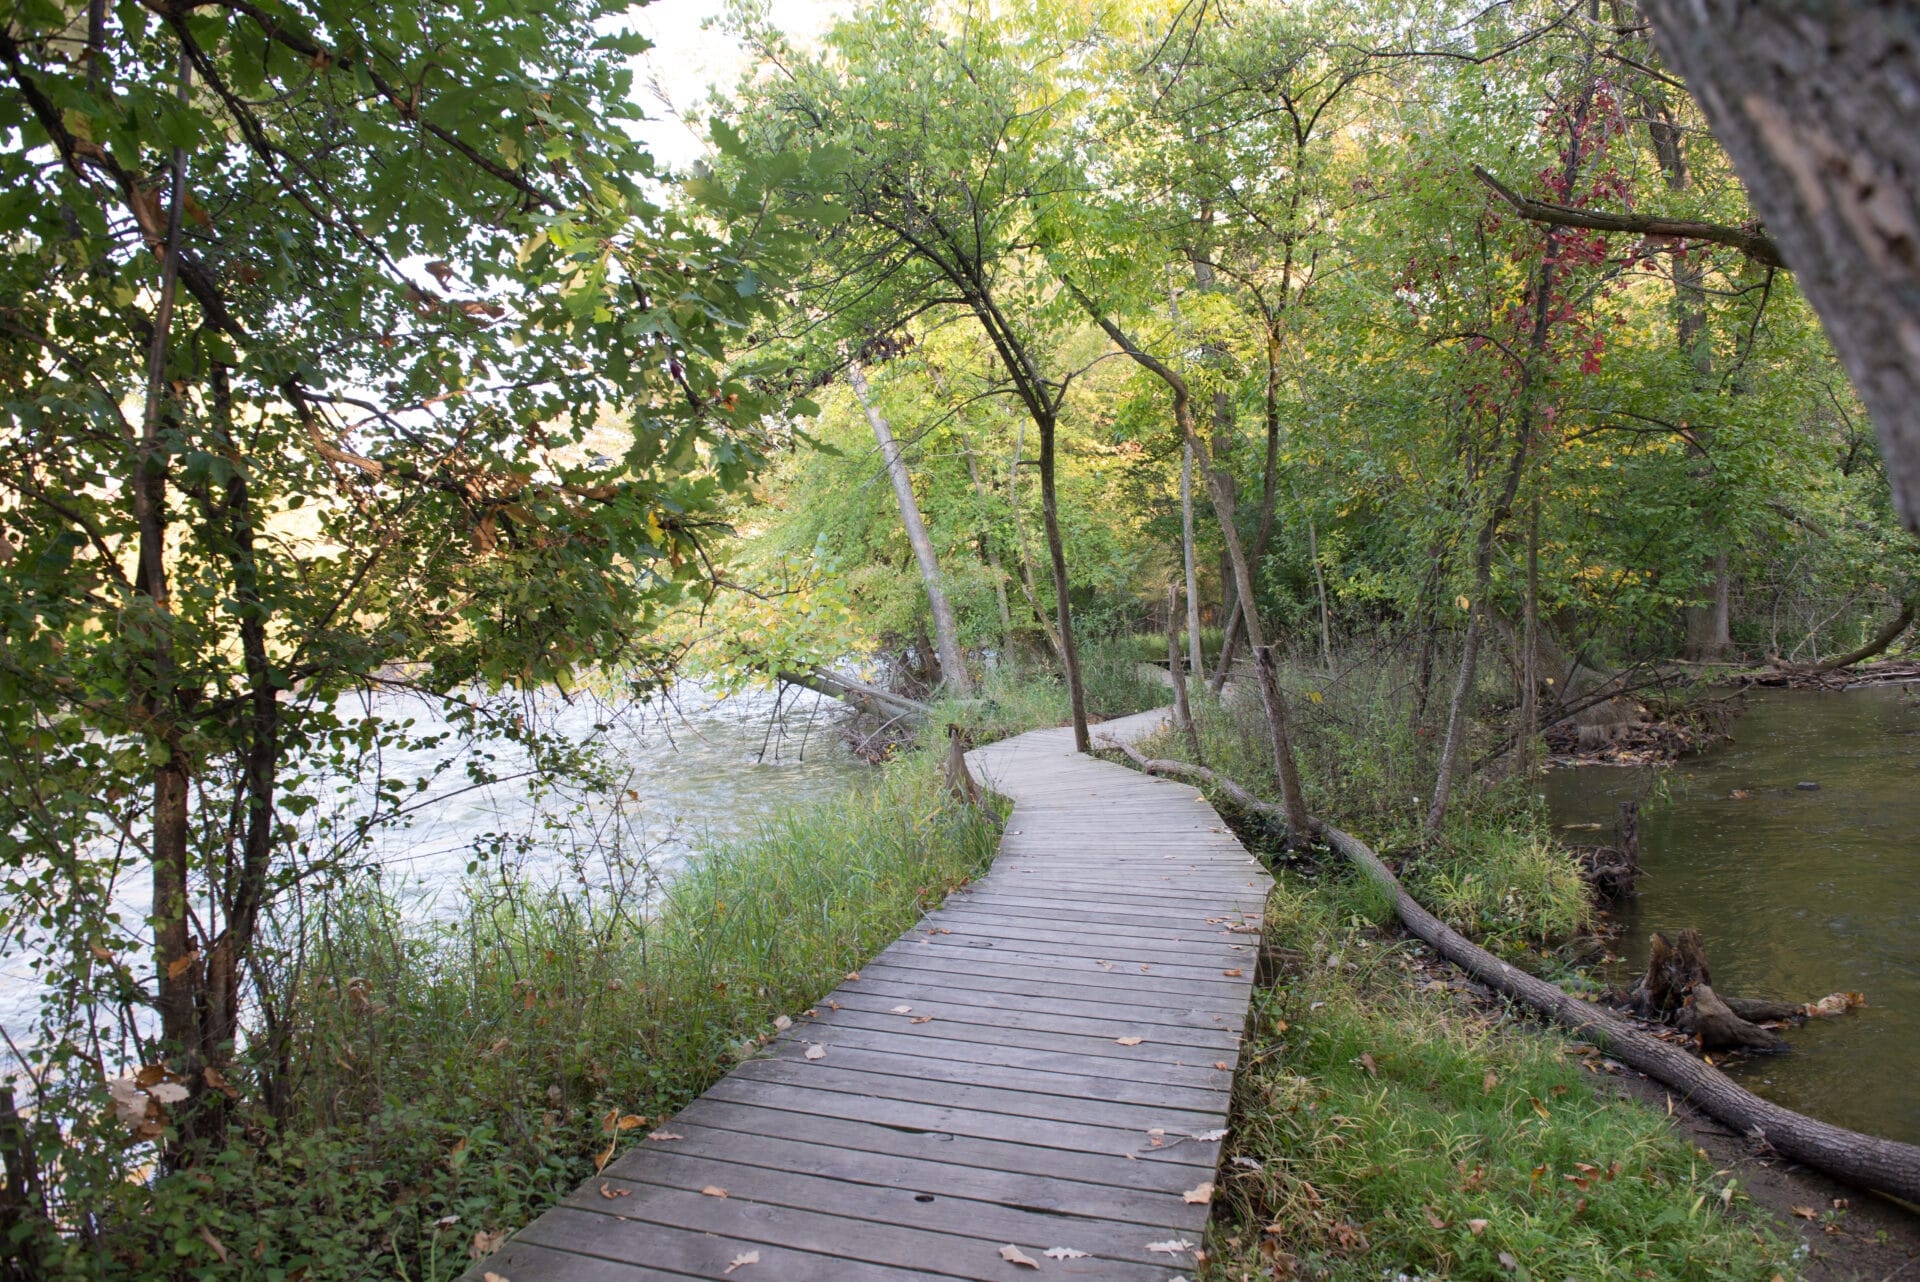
859, 694
1882, 1165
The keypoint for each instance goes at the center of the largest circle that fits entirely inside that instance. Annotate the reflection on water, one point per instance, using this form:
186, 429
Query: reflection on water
1799, 892
697, 768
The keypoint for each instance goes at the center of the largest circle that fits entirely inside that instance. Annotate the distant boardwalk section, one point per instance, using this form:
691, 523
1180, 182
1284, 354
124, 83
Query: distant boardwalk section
1038, 1071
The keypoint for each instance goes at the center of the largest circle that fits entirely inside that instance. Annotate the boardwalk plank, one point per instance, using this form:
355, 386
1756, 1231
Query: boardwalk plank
1117, 908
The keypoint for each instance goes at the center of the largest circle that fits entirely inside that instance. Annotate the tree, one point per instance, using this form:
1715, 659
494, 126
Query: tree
345, 346
1811, 101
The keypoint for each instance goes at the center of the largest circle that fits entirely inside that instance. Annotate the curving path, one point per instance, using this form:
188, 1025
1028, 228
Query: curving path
1043, 1063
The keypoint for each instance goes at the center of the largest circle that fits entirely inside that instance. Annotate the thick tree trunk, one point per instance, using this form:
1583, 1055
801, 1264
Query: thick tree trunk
1320, 586
1814, 104
1194, 654
1886, 1166
882, 703
1709, 627
953, 664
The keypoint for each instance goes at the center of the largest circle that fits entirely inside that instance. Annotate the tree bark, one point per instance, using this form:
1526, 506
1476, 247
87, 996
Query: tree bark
1194, 653
1182, 710
1320, 586
953, 664
1710, 627
1063, 615
1813, 102
1027, 587
859, 694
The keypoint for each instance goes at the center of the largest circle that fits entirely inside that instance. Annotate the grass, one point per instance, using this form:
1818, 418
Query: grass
459, 1077
1019, 696
1397, 1130
1388, 1128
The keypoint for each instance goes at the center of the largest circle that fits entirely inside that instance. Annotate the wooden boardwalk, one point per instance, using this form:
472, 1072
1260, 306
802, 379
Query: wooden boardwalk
1044, 1062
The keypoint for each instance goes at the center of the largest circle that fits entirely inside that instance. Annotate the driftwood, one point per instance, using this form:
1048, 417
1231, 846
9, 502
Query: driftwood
859, 694
1883, 1165
1678, 988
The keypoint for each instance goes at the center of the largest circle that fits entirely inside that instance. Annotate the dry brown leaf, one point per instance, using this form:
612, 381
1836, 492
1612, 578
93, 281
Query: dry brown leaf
1477, 1227
1220, 1064
1063, 1253
853, 975
1129, 1041
902, 1010
816, 1051
1488, 1082
485, 1243
219, 1247
1199, 1195
1366, 1061
1433, 1219
1539, 1108
1014, 1255
600, 1162
610, 1193
742, 1260
665, 1135
782, 1023
631, 1122
1806, 1212
1235, 973
490, 1276
921, 1019
714, 1190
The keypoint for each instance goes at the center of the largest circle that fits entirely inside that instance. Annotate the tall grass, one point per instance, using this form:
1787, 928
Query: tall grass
459, 1076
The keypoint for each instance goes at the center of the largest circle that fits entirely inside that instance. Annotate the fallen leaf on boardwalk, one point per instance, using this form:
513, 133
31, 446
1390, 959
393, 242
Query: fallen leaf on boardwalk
1477, 1227
485, 1243
902, 1010
1146, 968
1199, 1195
1208, 1137
832, 1005
666, 1135
1105, 965
714, 1190
853, 974
1806, 1212
1488, 1082
921, 1019
1014, 1255
742, 1260
491, 1276
1172, 1246
782, 1023
1235, 973
1063, 1253
1129, 1041
609, 1192
816, 1051
1220, 1064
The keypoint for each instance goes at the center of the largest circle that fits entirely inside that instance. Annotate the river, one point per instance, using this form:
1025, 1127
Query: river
1800, 892
699, 769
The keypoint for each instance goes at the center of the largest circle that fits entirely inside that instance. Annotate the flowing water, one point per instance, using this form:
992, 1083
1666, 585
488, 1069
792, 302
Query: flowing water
697, 769
1800, 892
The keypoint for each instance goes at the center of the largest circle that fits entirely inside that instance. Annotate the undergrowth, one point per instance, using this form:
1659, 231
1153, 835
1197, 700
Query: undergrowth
460, 1076
1386, 1126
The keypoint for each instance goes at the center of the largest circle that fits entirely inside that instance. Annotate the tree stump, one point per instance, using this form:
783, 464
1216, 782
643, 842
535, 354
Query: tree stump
960, 780
1678, 988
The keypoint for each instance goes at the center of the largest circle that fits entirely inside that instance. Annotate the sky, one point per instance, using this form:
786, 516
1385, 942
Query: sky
687, 59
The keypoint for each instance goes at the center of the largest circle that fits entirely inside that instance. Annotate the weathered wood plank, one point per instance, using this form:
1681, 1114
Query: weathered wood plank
1119, 908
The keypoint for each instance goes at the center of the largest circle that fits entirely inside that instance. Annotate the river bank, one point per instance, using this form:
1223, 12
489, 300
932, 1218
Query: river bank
1380, 1127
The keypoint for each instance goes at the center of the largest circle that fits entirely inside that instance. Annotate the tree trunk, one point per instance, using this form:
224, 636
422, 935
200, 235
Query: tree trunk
1269, 498
1320, 586
1063, 615
1812, 102
1220, 488
953, 664
1182, 710
1027, 587
1194, 654
1709, 627
881, 703
1528, 730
